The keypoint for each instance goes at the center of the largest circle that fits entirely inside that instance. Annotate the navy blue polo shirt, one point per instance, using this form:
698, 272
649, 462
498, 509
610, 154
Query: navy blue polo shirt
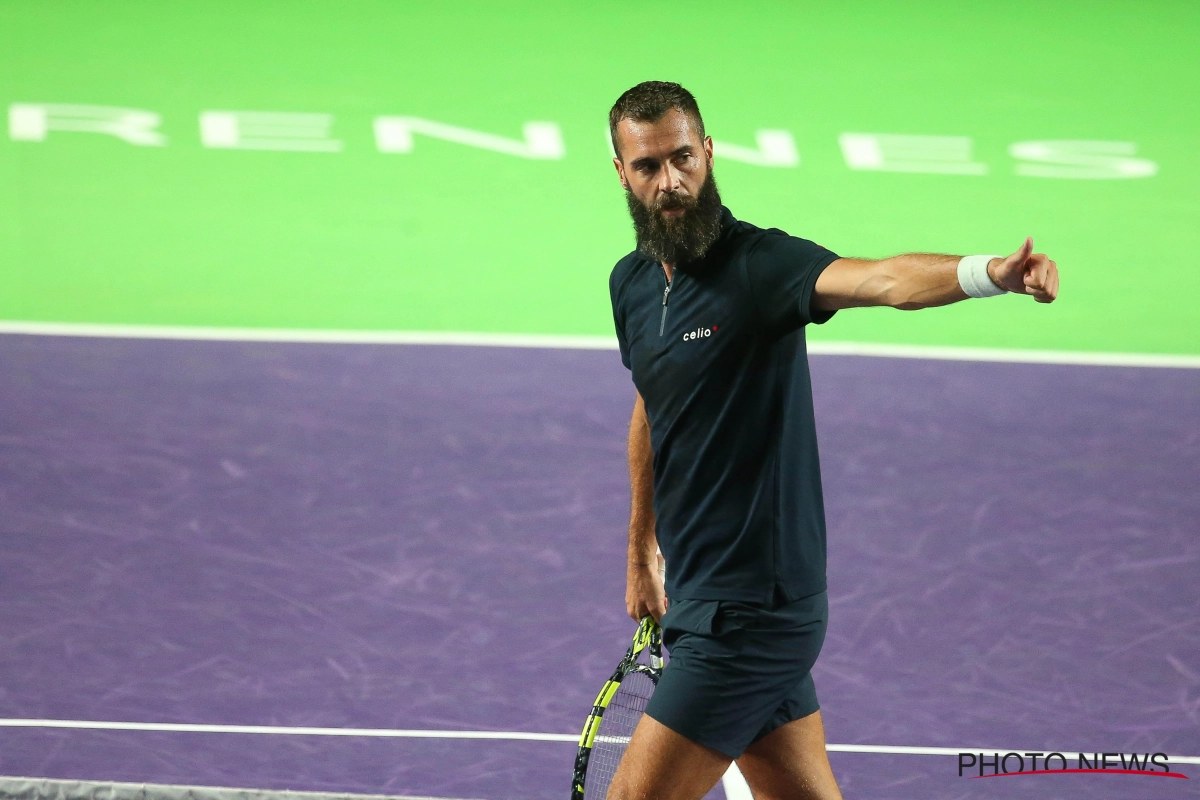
720, 361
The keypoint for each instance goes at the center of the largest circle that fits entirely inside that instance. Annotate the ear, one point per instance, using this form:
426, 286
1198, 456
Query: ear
621, 172
708, 150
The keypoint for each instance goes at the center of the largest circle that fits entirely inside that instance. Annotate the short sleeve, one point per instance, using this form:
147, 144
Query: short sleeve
619, 321
782, 271
622, 342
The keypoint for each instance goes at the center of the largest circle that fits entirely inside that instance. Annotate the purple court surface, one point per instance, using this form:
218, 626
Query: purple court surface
431, 538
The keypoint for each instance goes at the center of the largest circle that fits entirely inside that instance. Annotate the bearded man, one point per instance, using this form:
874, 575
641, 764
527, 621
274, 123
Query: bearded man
710, 315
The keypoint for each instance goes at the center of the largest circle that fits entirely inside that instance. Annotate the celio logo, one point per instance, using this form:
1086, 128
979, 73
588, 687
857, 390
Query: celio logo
700, 333
997, 765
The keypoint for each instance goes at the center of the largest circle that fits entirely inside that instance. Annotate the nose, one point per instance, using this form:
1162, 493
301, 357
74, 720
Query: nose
668, 179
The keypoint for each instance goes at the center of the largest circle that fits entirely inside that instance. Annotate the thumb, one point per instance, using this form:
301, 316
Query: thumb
1023, 253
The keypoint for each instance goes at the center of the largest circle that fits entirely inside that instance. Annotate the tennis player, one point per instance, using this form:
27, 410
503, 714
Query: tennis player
710, 314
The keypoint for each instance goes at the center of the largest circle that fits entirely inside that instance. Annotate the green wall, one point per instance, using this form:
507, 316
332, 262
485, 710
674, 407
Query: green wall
453, 237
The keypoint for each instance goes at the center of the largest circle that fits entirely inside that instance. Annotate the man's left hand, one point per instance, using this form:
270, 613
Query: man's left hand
1026, 272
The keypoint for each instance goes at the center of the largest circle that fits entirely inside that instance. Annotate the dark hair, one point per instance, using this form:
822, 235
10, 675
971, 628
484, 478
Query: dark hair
648, 102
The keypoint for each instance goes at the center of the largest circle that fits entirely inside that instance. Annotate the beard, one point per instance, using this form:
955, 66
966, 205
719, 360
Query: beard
683, 238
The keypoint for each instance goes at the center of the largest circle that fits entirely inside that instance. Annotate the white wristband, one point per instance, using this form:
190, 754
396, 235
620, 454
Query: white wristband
974, 279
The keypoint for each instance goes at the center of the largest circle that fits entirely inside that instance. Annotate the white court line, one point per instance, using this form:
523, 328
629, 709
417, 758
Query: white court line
1002, 355
278, 730
303, 335
577, 343
183, 727
28, 786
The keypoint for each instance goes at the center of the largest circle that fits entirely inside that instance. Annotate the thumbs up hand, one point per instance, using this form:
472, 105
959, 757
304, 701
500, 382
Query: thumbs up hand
1026, 272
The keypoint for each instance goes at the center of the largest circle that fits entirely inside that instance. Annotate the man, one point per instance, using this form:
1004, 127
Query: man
710, 315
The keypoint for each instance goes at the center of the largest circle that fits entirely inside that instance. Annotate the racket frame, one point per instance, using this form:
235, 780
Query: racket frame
648, 638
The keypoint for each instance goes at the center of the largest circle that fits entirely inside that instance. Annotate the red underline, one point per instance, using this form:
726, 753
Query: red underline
1093, 771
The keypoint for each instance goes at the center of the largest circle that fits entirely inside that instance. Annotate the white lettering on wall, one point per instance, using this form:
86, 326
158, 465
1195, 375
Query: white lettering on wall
885, 152
31, 122
776, 148
1080, 159
1069, 159
543, 140
268, 130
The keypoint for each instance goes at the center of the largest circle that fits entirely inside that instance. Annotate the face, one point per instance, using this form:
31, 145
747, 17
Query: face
664, 157
666, 170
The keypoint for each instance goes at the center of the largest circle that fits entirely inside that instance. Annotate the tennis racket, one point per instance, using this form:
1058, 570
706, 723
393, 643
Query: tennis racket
615, 714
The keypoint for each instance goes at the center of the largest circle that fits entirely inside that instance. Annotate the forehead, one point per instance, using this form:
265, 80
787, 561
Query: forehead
657, 139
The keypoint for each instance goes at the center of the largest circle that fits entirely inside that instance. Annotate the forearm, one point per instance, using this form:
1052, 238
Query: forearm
921, 280
642, 542
908, 282
644, 593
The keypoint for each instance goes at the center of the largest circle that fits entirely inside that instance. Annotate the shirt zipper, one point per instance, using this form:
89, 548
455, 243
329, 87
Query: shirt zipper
662, 325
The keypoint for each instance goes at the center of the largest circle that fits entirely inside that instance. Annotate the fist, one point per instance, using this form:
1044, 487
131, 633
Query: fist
644, 592
1026, 272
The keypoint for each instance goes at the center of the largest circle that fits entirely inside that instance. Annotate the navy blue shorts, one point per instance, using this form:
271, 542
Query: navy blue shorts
738, 671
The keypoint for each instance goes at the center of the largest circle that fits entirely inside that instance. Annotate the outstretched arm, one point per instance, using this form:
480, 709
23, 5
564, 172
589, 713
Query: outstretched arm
924, 280
644, 593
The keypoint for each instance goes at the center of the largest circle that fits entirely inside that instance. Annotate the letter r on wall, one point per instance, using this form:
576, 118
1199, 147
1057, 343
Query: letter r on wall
31, 122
